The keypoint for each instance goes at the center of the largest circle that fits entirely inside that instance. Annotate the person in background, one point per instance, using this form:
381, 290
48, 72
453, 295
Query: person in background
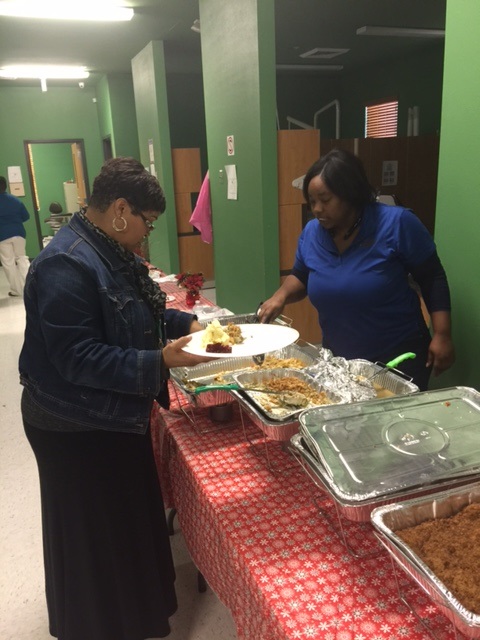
354, 260
12, 239
98, 348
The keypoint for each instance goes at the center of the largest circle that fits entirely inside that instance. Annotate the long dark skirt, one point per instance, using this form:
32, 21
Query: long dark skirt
108, 567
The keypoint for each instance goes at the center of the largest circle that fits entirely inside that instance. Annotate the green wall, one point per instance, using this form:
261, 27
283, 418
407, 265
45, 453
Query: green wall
53, 166
457, 229
149, 82
116, 114
62, 113
239, 86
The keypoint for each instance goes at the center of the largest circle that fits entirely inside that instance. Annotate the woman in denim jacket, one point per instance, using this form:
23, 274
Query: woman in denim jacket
98, 347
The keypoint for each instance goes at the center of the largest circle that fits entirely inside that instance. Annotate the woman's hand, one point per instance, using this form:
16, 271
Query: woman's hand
441, 353
272, 308
174, 356
292, 290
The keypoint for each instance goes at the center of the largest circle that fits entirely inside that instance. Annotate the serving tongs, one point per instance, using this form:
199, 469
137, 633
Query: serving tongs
392, 364
254, 319
289, 398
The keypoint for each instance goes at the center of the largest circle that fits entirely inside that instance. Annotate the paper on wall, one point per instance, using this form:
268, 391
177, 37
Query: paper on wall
231, 171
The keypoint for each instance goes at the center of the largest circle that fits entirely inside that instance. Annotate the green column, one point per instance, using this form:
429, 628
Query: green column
238, 57
149, 84
457, 227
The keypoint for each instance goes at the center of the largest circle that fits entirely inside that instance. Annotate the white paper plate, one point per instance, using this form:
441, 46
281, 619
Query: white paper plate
169, 298
259, 338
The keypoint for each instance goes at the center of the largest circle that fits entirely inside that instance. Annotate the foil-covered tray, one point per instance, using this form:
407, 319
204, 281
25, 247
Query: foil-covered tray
388, 520
272, 406
361, 510
350, 377
377, 447
221, 371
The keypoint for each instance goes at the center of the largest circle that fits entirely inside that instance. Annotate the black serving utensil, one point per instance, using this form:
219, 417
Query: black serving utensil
259, 358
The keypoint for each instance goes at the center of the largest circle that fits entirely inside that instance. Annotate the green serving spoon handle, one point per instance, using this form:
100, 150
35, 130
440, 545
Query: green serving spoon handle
217, 387
399, 359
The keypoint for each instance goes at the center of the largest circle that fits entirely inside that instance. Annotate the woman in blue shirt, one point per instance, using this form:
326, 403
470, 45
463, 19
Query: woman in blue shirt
355, 262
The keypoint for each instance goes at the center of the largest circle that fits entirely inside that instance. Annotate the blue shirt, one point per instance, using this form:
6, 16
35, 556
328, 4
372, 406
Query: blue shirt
365, 303
12, 216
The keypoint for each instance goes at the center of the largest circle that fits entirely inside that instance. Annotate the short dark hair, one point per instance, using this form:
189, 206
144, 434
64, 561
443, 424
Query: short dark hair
3, 184
344, 175
127, 178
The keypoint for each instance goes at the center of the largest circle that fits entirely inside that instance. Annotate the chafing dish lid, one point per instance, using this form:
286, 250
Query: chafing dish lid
378, 447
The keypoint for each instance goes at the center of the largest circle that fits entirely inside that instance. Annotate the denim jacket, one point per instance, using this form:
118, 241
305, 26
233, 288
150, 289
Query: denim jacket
90, 353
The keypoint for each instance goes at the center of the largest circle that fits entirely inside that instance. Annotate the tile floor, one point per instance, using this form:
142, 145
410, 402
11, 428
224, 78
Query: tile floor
22, 604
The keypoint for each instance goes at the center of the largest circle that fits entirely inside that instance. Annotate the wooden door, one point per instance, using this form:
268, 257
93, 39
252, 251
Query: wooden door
77, 162
194, 254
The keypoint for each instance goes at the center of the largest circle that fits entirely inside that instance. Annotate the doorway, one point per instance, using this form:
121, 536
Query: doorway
58, 173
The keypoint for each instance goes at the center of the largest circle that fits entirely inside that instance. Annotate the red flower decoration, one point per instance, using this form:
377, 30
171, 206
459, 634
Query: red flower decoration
192, 282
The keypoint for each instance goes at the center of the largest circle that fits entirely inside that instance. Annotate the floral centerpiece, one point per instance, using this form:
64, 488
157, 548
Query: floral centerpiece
192, 282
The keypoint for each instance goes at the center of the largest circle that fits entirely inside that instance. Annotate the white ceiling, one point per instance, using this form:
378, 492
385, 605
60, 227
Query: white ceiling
301, 25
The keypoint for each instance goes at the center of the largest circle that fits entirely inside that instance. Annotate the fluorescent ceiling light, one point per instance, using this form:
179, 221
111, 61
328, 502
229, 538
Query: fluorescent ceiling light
404, 32
63, 10
309, 67
49, 72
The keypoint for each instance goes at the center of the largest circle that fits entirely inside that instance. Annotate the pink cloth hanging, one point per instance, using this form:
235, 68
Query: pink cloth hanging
201, 217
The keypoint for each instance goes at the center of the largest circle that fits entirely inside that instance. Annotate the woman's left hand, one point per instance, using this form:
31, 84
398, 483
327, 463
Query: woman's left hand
441, 353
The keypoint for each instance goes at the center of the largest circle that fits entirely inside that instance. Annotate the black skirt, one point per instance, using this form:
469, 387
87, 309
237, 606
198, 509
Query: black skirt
109, 571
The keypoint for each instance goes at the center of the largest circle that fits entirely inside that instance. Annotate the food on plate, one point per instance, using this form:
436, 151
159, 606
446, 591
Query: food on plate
215, 335
449, 547
234, 332
216, 347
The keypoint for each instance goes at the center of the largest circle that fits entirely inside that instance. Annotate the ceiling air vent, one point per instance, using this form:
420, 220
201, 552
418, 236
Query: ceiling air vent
323, 54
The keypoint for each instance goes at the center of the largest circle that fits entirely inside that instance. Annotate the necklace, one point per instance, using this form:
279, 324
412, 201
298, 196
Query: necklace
349, 231
352, 228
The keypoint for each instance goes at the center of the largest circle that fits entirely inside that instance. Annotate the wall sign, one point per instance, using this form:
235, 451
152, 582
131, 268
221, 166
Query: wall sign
389, 173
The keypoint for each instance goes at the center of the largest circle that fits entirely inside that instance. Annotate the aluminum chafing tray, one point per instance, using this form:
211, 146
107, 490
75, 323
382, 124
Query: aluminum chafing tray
222, 371
386, 379
359, 510
260, 378
374, 448
388, 520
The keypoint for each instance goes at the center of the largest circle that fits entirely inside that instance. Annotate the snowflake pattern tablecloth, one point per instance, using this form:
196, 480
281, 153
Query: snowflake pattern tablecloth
268, 541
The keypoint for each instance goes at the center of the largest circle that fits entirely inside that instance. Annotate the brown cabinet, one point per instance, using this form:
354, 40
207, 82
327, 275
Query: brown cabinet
297, 151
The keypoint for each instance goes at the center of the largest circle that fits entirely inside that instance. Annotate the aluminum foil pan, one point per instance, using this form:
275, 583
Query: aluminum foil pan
222, 370
278, 430
390, 519
265, 403
349, 377
361, 510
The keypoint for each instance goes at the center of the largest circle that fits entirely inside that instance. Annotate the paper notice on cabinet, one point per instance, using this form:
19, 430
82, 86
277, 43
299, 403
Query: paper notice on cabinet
231, 171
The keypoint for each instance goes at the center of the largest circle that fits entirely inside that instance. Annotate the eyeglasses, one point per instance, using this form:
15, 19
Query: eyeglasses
148, 223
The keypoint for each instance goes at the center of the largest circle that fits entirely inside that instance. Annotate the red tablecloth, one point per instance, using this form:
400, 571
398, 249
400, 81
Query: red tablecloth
274, 558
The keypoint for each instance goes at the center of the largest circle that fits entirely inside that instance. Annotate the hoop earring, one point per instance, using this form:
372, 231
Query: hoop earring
114, 224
